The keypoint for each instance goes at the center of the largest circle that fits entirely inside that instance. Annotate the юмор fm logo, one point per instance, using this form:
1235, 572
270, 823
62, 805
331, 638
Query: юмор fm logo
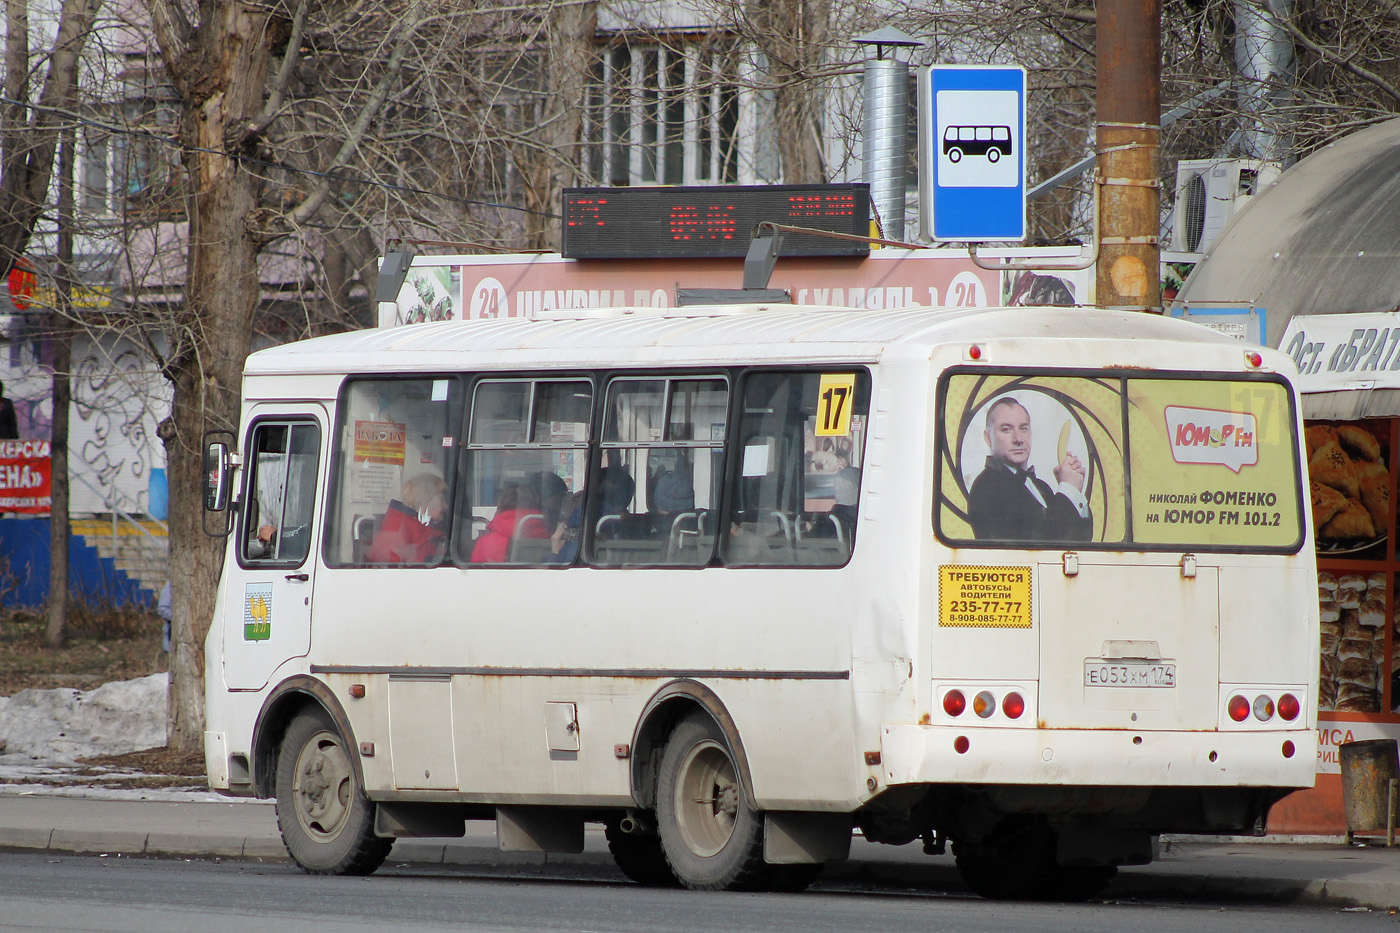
1204, 435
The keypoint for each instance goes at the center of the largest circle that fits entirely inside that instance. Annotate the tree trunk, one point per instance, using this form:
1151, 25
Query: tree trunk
61, 332
551, 164
221, 295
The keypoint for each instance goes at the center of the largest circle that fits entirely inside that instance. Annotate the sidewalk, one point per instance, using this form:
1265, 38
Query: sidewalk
205, 825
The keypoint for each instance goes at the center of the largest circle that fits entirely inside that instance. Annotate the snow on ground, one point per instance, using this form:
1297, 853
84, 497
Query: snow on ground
63, 725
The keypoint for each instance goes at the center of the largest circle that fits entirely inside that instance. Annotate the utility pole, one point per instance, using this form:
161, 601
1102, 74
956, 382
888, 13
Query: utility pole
1129, 142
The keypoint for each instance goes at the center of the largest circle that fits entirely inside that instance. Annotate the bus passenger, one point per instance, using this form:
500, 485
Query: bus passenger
845, 485
563, 544
409, 532
515, 504
673, 494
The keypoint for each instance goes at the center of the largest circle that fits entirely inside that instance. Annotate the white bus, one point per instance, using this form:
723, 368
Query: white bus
739, 581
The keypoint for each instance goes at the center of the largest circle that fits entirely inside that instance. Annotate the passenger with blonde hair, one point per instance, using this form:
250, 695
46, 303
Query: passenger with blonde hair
410, 532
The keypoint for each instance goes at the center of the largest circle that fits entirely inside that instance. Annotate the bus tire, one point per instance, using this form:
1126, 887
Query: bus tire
993, 154
955, 155
639, 857
712, 838
327, 823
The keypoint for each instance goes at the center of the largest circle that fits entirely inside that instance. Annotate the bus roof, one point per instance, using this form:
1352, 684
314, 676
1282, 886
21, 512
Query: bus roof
708, 334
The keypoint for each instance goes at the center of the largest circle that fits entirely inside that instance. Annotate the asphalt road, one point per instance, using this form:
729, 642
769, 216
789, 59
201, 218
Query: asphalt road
44, 891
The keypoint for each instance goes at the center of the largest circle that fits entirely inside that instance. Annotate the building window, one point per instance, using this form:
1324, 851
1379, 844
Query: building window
664, 114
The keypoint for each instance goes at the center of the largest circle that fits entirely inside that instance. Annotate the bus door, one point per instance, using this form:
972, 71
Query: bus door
276, 530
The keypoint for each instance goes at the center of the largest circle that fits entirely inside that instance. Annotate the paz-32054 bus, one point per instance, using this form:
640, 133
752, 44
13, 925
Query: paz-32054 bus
736, 582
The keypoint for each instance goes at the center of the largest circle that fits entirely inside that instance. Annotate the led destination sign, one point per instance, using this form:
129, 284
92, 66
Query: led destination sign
714, 222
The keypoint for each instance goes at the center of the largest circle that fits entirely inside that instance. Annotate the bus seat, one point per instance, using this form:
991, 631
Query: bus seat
683, 543
529, 543
364, 527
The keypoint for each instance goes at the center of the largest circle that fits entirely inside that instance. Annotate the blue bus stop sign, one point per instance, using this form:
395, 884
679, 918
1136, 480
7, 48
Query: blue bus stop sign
972, 147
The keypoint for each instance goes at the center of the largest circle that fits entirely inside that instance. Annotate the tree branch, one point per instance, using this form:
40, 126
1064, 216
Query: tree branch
308, 207
278, 90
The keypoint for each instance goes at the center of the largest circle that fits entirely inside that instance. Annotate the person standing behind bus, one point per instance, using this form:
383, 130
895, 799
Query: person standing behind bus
1008, 502
408, 534
9, 424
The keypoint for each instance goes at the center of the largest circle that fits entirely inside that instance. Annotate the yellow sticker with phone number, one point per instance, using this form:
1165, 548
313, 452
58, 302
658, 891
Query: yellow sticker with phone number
984, 597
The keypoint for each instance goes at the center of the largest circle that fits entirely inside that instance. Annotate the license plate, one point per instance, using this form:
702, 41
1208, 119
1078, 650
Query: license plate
1129, 674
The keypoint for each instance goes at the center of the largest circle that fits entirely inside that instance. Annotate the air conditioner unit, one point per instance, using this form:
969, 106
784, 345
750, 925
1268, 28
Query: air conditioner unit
1209, 192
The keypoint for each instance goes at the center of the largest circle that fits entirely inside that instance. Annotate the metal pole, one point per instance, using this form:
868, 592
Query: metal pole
1129, 58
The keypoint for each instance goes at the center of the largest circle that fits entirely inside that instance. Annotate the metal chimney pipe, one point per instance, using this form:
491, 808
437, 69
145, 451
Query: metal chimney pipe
1264, 57
885, 120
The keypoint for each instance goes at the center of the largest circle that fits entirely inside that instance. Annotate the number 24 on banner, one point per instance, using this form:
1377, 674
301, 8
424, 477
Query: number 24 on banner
834, 404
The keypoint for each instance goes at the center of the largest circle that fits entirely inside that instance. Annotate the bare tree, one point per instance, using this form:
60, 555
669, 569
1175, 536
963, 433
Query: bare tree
29, 137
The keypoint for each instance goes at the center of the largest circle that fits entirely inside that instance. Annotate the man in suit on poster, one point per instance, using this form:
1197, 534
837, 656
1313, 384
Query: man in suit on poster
1008, 502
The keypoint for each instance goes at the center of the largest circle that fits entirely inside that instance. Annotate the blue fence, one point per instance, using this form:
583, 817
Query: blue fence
92, 579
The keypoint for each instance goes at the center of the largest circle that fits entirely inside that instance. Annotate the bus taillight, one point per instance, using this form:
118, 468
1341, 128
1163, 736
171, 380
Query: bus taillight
1238, 708
1289, 707
984, 704
954, 702
1013, 705
1263, 707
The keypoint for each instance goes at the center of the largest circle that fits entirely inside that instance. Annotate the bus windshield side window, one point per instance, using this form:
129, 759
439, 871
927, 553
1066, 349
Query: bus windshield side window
801, 444
281, 495
662, 462
393, 473
525, 469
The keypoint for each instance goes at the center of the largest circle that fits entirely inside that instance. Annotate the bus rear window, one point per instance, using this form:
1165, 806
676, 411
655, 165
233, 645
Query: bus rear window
1152, 461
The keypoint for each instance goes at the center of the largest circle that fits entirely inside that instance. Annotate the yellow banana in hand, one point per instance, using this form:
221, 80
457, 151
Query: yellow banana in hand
1064, 444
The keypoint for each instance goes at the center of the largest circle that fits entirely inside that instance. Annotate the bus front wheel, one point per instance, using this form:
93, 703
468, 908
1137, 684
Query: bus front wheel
327, 823
712, 838
993, 154
954, 155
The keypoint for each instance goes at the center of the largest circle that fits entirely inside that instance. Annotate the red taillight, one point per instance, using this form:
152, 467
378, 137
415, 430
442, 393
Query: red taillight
1289, 707
974, 352
1013, 705
1238, 708
961, 745
984, 704
954, 702
1263, 707
1253, 358
1288, 749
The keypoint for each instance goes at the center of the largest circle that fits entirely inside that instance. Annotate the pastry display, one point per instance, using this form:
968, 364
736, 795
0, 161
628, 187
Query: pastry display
1349, 484
1355, 659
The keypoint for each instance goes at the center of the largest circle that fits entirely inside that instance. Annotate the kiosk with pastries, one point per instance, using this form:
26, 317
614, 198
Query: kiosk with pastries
1350, 384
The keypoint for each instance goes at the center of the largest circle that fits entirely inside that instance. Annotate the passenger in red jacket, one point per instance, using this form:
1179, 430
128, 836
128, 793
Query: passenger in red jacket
409, 533
515, 504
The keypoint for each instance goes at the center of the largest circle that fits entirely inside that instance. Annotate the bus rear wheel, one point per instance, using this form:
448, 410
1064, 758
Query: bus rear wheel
712, 838
327, 823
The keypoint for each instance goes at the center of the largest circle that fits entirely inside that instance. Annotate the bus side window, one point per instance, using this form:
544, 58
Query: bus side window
281, 493
662, 465
391, 489
526, 458
797, 492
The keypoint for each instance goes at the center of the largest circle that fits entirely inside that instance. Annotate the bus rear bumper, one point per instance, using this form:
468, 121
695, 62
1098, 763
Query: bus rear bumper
912, 754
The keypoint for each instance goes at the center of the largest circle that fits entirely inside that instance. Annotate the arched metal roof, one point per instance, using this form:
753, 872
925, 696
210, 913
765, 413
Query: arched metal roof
1323, 239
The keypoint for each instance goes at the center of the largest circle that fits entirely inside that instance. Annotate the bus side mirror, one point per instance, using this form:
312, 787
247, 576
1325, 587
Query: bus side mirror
218, 463
218, 472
